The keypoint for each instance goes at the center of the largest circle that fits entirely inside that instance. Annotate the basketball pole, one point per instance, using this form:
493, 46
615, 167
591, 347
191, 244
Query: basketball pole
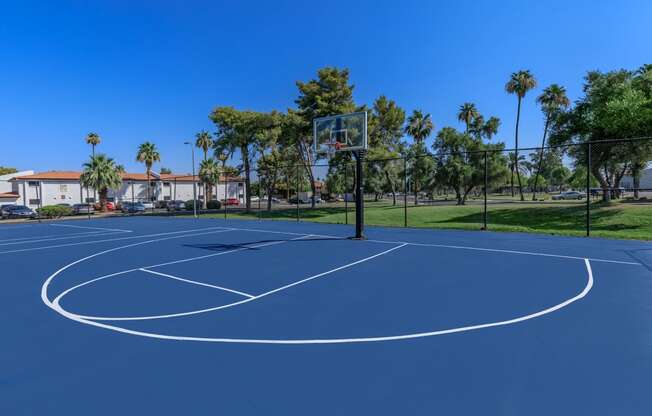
359, 195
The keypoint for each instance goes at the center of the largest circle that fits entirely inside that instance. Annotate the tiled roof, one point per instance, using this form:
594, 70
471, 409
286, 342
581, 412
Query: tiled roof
74, 176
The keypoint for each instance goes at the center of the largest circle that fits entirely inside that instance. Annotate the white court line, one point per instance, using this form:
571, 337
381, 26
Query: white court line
113, 239
92, 234
55, 306
561, 256
64, 293
57, 300
51, 235
194, 282
91, 228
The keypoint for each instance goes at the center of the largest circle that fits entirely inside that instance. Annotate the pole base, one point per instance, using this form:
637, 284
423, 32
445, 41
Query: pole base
357, 238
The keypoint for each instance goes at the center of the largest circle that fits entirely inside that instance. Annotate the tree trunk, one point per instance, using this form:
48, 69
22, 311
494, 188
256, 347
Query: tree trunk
244, 150
516, 167
103, 198
149, 197
543, 144
392, 187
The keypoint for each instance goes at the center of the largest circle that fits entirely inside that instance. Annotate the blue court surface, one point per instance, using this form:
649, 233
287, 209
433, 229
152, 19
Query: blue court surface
177, 316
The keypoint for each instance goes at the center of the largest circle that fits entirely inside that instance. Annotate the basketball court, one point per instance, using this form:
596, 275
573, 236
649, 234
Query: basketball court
177, 315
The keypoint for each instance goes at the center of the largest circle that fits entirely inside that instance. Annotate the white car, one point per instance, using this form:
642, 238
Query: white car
148, 205
568, 195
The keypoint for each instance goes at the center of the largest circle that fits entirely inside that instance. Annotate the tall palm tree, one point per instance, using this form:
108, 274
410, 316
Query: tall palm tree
209, 173
552, 100
101, 173
419, 126
490, 128
204, 141
468, 112
148, 154
93, 139
519, 83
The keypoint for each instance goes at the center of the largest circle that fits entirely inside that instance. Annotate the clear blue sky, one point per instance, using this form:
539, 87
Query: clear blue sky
135, 71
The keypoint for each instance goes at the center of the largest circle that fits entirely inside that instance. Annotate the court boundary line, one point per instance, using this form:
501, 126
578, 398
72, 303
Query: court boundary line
194, 282
92, 234
49, 236
91, 228
56, 307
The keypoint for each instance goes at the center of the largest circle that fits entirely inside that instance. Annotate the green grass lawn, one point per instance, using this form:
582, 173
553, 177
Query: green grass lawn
616, 220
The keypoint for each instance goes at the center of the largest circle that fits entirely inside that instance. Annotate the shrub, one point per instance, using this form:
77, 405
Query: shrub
55, 211
189, 203
214, 204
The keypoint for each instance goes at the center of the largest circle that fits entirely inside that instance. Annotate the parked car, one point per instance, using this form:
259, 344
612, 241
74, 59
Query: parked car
176, 206
148, 204
232, 201
274, 200
17, 211
568, 195
110, 206
133, 207
83, 209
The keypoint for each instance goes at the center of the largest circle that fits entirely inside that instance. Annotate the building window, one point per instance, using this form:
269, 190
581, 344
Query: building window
166, 184
32, 183
63, 188
110, 199
35, 202
166, 198
90, 200
152, 183
240, 184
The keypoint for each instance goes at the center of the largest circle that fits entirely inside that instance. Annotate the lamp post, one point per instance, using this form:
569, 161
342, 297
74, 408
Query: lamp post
194, 184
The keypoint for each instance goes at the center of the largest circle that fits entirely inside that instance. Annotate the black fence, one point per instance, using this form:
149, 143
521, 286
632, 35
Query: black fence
600, 188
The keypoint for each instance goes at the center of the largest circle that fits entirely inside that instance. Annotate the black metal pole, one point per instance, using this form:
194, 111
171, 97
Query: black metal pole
260, 185
346, 191
405, 192
486, 185
297, 193
226, 191
588, 189
359, 197
40, 200
194, 184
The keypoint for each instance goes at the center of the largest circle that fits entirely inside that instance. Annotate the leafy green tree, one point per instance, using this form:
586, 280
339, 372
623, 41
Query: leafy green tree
616, 104
101, 173
467, 114
490, 128
329, 94
148, 154
552, 100
240, 130
93, 139
519, 83
5, 170
461, 162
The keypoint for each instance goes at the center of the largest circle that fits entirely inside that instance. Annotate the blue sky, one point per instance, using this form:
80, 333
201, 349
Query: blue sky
135, 71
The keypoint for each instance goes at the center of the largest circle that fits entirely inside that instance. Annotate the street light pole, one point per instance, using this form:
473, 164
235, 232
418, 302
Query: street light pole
194, 184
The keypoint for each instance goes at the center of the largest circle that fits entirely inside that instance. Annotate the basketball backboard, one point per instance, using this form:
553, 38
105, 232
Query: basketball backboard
340, 133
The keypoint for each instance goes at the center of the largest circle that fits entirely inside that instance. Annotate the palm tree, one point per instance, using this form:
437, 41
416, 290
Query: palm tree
519, 83
204, 142
209, 173
468, 112
552, 99
101, 173
419, 126
515, 167
93, 139
490, 128
148, 154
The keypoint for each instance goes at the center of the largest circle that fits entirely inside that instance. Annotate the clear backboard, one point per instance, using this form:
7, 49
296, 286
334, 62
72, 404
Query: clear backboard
340, 133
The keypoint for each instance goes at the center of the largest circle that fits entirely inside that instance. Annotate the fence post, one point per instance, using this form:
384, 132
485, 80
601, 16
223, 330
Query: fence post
346, 191
486, 185
298, 193
226, 192
260, 185
405, 192
588, 189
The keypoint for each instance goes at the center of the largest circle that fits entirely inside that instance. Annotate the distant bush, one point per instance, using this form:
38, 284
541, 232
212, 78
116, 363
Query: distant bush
189, 205
55, 211
214, 204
